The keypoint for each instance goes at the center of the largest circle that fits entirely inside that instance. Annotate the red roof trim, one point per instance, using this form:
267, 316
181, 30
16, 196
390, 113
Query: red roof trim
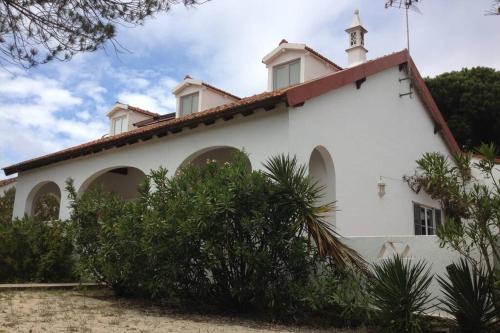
303, 92
295, 95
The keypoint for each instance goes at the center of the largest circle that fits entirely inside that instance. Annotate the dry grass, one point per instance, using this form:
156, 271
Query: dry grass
99, 311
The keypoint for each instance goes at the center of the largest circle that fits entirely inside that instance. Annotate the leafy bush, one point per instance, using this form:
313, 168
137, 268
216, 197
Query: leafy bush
107, 234
344, 293
7, 204
399, 291
35, 251
469, 298
216, 234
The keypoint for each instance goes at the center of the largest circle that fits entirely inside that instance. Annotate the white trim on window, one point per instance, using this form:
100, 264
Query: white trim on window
189, 104
426, 219
120, 125
287, 74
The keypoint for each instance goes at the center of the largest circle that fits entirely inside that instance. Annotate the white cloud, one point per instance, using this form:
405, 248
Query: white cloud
34, 120
221, 42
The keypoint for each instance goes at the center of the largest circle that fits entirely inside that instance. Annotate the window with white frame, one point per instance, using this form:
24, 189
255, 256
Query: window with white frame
189, 104
119, 125
426, 219
285, 75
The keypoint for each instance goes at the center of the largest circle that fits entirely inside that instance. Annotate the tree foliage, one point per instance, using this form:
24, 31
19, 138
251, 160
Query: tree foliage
32, 250
469, 102
34, 32
471, 206
7, 204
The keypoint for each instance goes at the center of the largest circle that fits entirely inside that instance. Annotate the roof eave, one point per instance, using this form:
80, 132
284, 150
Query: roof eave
143, 135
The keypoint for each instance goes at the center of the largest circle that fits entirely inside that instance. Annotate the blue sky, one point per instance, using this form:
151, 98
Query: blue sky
222, 42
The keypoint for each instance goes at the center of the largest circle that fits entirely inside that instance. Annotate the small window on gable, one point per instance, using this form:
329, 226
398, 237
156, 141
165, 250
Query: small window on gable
119, 125
426, 219
189, 104
286, 74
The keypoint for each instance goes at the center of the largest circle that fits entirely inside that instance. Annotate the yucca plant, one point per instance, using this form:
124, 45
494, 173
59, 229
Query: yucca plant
468, 296
400, 294
301, 194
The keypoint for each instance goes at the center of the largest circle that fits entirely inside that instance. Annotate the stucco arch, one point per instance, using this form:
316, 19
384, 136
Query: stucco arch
220, 154
39, 190
122, 180
322, 170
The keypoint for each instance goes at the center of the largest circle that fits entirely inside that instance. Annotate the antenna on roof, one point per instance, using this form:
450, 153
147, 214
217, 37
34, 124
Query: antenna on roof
406, 5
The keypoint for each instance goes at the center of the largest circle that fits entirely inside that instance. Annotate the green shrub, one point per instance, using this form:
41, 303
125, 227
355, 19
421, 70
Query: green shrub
399, 291
107, 234
344, 293
217, 234
35, 251
7, 204
469, 298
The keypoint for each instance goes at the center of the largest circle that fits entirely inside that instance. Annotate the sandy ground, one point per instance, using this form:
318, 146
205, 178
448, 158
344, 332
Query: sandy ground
98, 311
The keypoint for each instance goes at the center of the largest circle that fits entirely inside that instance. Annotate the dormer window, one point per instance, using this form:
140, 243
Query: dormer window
287, 74
189, 104
119, 125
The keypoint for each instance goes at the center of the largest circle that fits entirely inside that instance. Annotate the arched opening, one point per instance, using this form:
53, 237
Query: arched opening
322, 170
220, 155
44, 201
123, 181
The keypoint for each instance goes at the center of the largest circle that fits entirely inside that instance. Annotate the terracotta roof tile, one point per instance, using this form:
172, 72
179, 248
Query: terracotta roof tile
5, 182
294, 96
137, 134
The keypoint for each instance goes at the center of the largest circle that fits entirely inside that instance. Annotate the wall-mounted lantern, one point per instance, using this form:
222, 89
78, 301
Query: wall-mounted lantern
381, 188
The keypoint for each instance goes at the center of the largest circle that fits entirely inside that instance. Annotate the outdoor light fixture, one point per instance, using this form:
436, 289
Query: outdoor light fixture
381, 188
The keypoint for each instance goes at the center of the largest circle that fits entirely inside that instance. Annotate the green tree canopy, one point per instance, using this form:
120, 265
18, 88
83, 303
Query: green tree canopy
470, 102
34, 31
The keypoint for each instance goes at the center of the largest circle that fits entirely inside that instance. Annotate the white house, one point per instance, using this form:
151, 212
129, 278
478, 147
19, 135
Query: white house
359, 130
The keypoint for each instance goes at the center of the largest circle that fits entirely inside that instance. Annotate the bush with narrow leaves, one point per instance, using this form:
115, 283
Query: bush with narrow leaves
468, 297
400, 294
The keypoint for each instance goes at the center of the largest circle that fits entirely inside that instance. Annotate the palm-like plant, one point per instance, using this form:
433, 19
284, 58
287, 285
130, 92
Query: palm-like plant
299, 193
399, 291
469, 297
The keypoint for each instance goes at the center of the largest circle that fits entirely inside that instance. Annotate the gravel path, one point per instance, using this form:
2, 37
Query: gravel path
98, 311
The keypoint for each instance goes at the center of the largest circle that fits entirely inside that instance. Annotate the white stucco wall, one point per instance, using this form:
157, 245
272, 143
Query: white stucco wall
135, 117
169, 151
314, 67
411, 248
369, 133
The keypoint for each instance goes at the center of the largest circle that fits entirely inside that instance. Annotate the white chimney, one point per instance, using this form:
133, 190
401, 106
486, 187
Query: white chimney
356, 53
